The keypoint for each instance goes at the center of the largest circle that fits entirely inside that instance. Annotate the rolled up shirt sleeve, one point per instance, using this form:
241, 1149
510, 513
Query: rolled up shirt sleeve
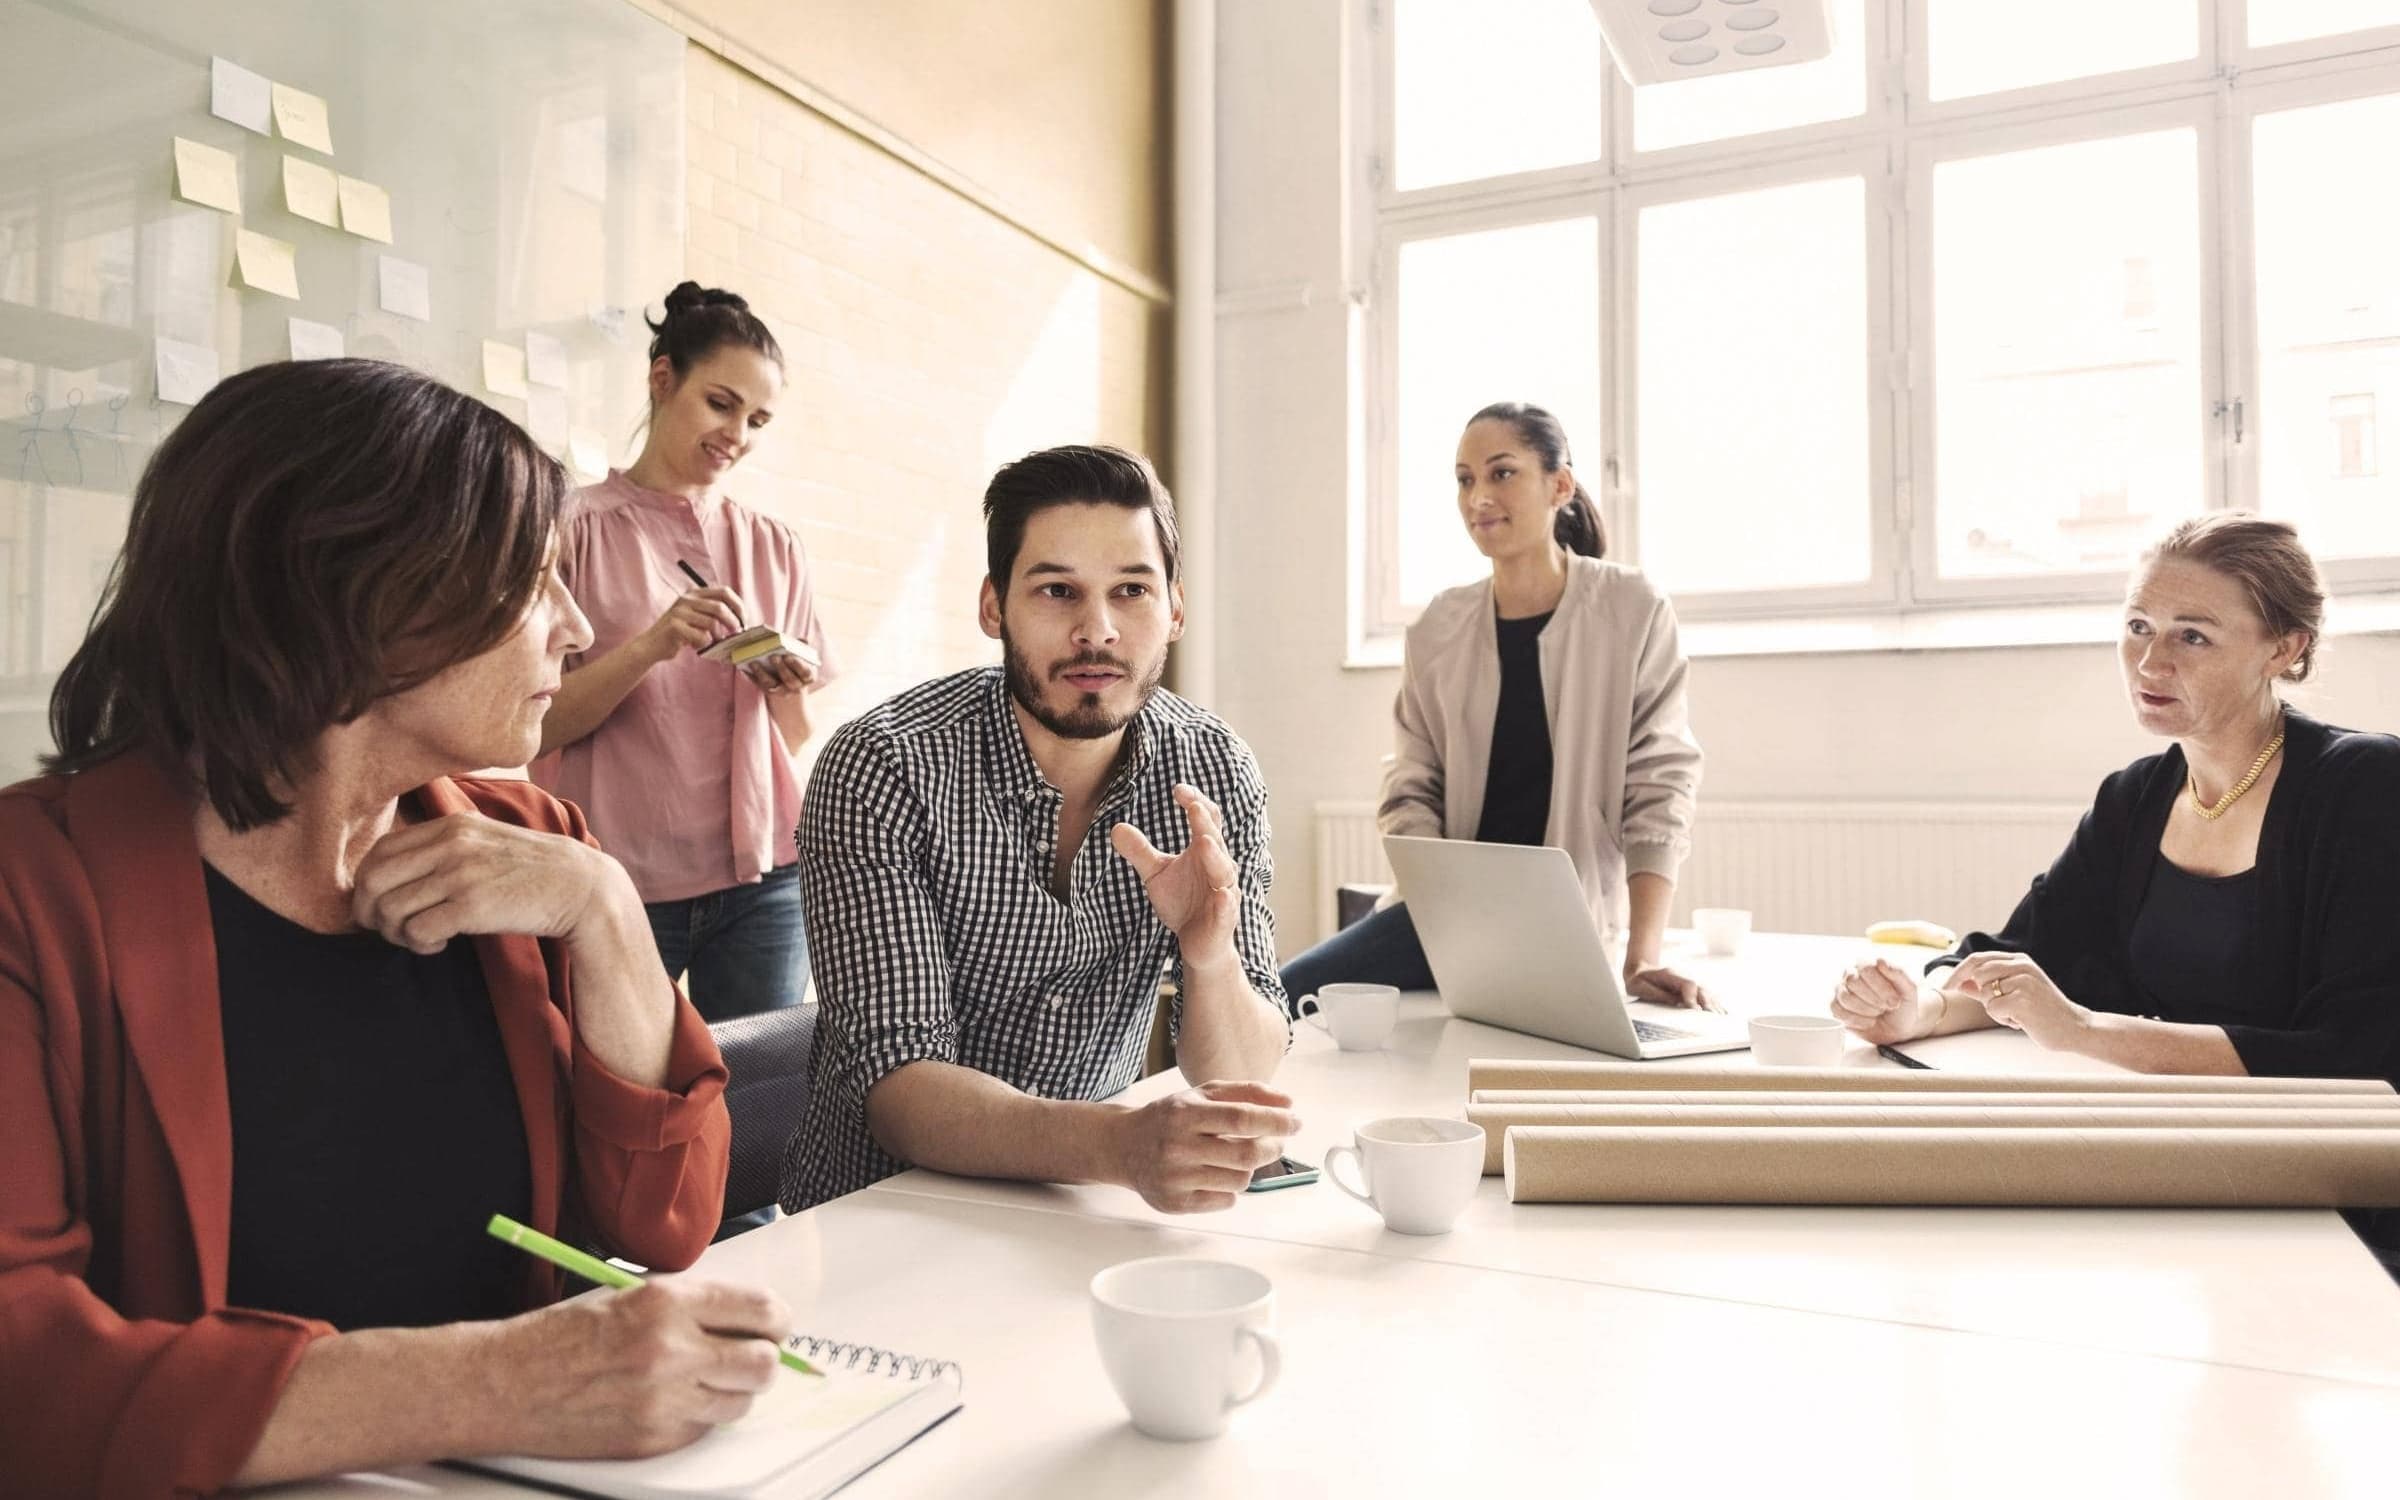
875, 931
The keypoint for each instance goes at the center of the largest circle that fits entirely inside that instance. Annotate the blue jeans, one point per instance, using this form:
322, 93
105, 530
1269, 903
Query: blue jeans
1382, 949
740, 950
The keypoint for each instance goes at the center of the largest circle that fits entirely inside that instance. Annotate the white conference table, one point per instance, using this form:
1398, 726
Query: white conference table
1632, 1351
2288, 1290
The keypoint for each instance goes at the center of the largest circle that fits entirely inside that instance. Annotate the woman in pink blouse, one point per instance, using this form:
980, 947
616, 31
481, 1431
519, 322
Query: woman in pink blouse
688, 768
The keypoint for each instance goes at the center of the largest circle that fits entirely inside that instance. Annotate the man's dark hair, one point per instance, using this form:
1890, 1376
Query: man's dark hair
311, 538
1078, 474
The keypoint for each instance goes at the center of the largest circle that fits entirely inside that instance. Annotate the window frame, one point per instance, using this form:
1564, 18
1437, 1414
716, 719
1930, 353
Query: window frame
2298, 88
1622, 394
1895, 142
1925, 584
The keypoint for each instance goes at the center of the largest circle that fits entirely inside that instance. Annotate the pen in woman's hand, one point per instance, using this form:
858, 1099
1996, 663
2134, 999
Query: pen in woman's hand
699, 582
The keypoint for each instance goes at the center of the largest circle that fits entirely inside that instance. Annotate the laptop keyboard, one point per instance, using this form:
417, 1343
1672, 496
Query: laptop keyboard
1651, 1031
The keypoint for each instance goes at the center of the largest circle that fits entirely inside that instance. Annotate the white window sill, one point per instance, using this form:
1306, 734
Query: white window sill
1924, 630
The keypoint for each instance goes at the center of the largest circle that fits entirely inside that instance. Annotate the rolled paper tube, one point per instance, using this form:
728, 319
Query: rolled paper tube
1835, 1098
1498, 1119
2234, 1168
1502, 1073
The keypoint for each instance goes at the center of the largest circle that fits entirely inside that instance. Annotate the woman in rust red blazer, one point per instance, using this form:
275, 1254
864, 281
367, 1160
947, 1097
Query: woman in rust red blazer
288, 1006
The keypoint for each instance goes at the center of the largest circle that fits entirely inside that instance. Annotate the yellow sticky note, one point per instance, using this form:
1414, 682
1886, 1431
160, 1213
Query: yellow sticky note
301, 117
503, 368
266, 263
206, 176
366, 210
308, 191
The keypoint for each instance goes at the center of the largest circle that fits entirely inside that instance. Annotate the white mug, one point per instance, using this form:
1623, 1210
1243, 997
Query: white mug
1171, 1329
1418, 1171
1359, 1016
1797, 1041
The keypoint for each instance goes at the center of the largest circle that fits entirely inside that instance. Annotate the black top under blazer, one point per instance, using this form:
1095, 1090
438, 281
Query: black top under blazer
2323, 969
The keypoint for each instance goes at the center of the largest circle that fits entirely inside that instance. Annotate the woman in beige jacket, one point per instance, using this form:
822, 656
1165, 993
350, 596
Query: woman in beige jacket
1544, 705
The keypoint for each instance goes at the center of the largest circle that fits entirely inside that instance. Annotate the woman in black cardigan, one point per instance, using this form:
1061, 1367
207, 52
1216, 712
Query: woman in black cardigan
2229, 906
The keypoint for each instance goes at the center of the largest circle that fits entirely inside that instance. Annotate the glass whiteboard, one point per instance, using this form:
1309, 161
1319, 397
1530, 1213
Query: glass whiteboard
533, 154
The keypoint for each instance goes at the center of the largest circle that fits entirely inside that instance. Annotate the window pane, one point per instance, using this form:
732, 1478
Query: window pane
2066, 354
1666, 115
2273, 21
1753, 389
1503, 315
2328, 325
1984, 46
1481, 90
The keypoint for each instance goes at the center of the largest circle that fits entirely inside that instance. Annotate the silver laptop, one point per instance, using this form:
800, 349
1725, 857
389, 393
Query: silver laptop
1512, 944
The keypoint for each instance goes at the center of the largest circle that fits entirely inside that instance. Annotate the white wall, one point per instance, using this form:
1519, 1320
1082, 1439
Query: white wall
2018, 725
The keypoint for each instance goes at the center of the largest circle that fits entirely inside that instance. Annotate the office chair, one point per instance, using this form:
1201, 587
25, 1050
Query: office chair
766, 1058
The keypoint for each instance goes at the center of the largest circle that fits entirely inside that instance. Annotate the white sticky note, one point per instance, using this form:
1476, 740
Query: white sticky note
366, 210
546, 418
237, 94
403, 288
206, 176
315, 340
545, 360
185, 371
587, 453
301, 117
503, 368
308, 190
266, 263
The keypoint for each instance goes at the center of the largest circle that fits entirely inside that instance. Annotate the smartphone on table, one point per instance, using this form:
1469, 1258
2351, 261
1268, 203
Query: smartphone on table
1282, 1172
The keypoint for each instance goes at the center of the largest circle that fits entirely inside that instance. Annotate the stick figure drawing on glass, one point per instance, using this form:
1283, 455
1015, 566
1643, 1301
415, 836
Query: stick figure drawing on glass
29, 453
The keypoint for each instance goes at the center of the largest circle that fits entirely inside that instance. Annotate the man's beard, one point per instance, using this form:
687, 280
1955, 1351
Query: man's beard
1089, 719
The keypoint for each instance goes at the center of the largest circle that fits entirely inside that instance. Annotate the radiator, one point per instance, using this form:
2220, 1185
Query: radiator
1804, 866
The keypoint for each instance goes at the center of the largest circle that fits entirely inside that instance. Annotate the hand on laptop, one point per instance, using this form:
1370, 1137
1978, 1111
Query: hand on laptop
1663, 986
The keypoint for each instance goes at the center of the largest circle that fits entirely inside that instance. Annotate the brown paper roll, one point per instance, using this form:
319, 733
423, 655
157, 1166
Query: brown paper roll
1501, 1073
1839, 1098
1497, 1119
2232, 1168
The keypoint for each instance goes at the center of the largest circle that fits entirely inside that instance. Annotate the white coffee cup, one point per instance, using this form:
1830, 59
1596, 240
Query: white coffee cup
1418, 1171
1360, 1016
1171, 1330
1797, 1041
1721, 928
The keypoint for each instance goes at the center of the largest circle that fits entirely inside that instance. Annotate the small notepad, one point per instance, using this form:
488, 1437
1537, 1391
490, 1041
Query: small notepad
757, 644
805, 1436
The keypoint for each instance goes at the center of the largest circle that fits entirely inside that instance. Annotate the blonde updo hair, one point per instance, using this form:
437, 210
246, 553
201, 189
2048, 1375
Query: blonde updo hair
2265, 557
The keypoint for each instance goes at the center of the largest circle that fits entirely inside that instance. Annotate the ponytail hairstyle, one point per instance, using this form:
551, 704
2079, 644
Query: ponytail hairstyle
1578, 527
700, 320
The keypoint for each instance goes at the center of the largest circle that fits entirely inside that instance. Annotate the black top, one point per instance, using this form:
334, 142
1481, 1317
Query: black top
1516, 792
375, 1125
2190, 941
2318, 982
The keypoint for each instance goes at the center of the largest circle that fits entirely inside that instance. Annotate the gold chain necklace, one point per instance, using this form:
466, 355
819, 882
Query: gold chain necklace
2257, 767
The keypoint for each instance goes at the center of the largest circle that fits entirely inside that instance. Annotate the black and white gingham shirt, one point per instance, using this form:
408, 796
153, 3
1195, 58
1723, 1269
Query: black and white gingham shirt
926, 852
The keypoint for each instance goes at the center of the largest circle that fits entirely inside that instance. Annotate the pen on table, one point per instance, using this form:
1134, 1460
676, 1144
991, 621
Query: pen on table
699, 582
592, 1268
1891, 1053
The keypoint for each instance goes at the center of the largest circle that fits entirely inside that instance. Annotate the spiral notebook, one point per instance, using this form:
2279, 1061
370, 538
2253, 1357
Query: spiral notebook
804, 1437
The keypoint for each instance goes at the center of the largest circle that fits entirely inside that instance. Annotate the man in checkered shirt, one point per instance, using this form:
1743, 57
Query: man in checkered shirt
989, 907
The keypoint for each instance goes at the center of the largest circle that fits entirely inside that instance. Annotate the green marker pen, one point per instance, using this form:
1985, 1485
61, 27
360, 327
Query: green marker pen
592, 1268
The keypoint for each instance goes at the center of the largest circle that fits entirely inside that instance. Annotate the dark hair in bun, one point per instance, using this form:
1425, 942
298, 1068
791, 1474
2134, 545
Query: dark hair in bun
699, 320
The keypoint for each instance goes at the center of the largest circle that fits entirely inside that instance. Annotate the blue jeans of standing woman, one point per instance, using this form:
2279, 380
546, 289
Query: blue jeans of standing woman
740, 950
1382, 948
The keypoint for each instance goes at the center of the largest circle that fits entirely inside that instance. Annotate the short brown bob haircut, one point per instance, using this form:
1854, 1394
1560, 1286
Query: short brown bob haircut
311, 538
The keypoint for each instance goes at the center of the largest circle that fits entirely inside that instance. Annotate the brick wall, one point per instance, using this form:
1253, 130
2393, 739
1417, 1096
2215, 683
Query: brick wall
928, 341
